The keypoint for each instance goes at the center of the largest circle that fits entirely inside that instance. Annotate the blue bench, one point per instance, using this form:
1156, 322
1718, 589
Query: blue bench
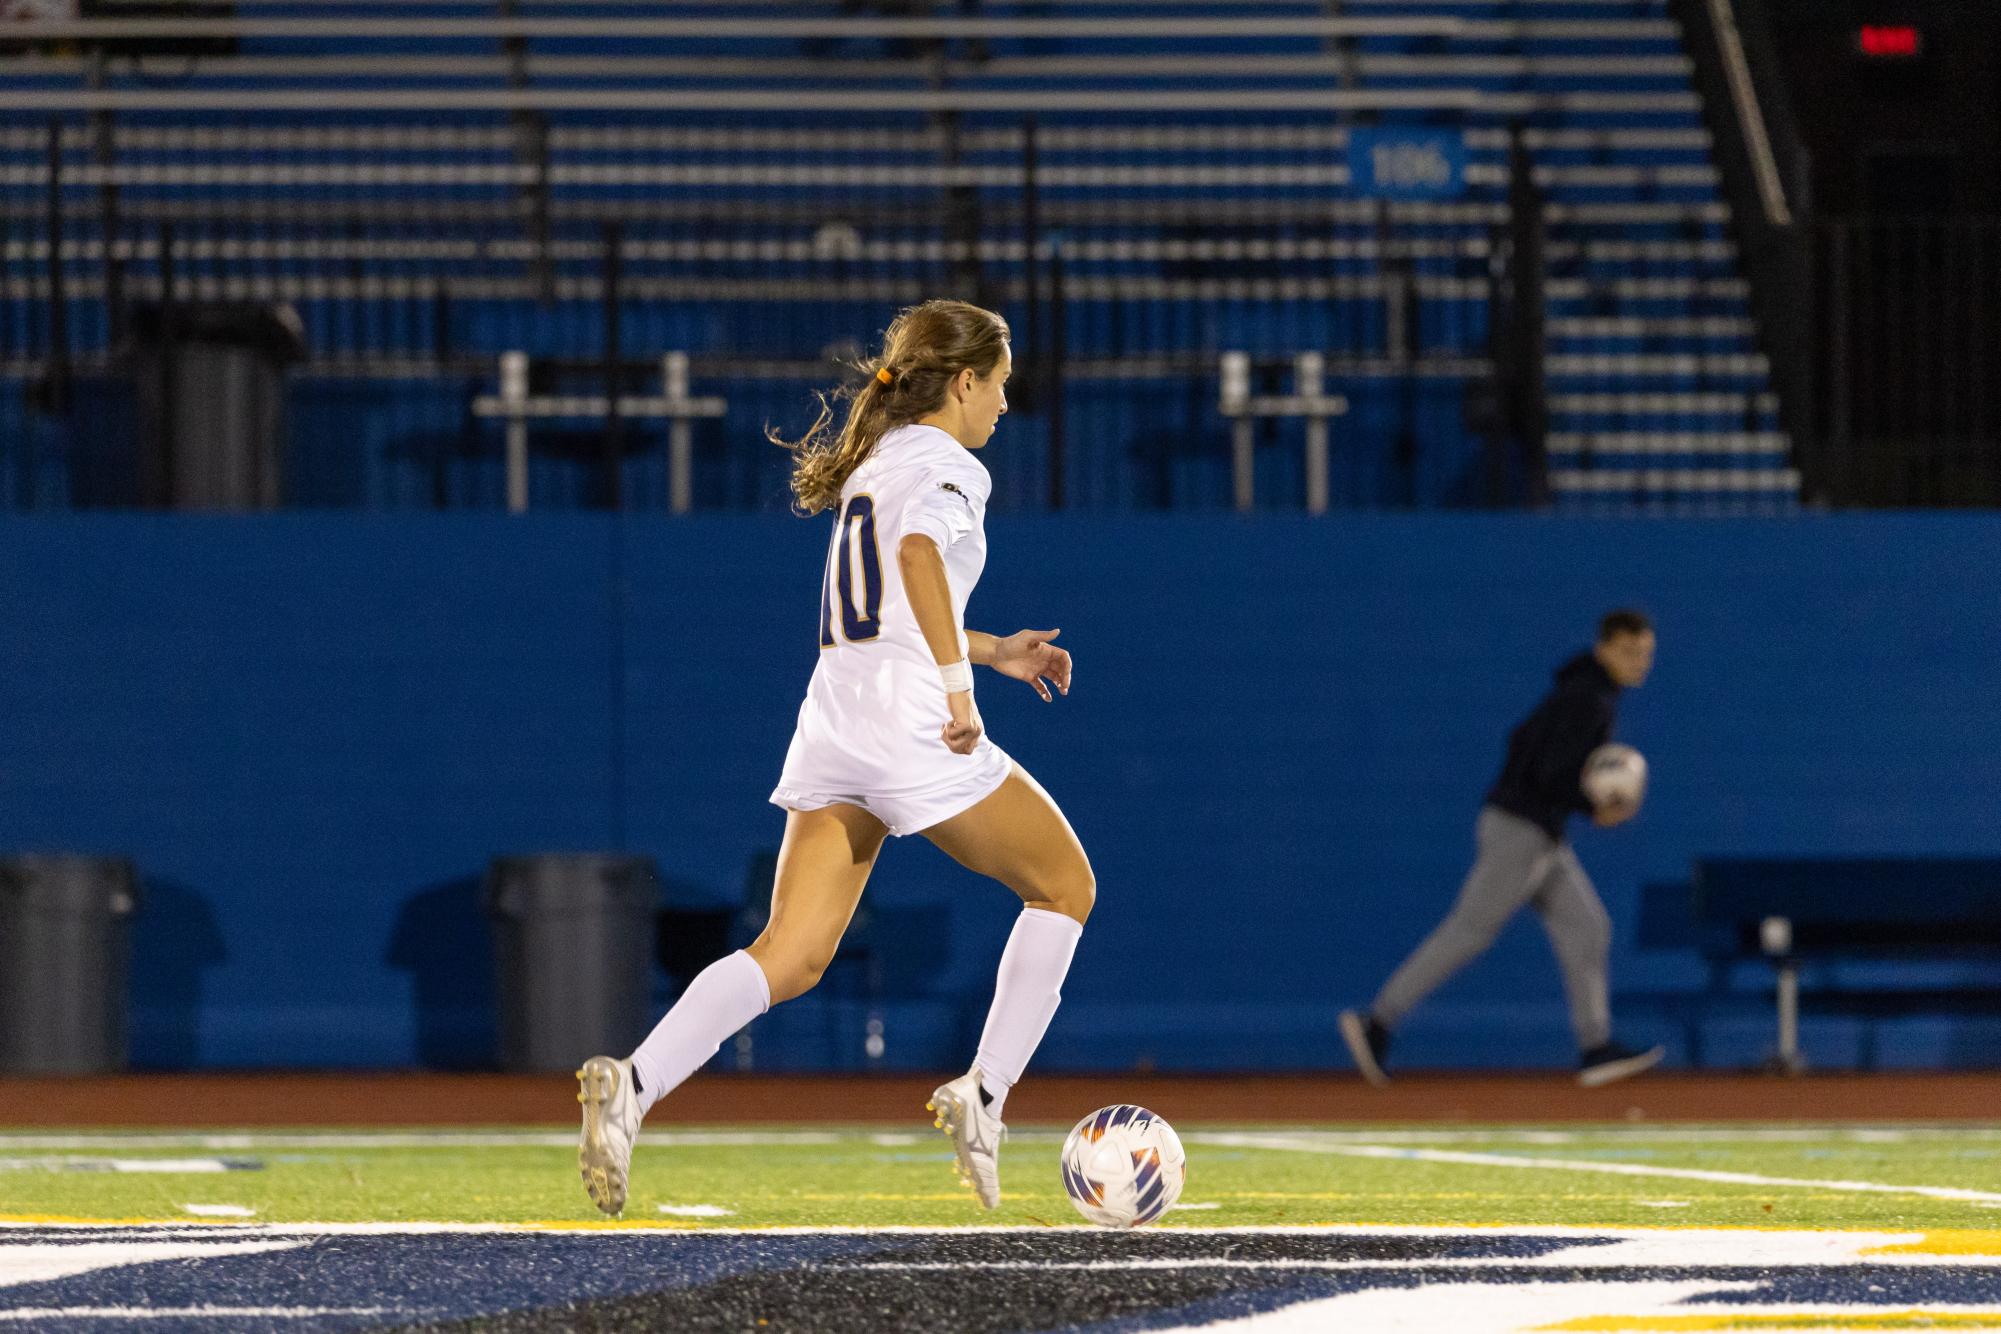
1804, 915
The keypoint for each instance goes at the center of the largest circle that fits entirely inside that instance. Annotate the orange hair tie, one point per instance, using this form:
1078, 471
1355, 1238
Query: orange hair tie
883, 375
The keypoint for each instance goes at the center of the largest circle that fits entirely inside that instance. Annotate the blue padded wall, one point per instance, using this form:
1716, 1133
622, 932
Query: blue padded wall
311, 731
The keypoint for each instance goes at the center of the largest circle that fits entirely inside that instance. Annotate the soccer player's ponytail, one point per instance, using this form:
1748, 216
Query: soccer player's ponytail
924, 347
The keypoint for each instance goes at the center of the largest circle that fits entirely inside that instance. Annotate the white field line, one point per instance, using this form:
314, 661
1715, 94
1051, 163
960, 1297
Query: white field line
1695, 1248
39, 1261
1488, 1308
169, 1166
1633, 1245
1198, 1262
223, 1141
1691, 1248
1611, 1169
1571, 1260
35, 1313
403, 1139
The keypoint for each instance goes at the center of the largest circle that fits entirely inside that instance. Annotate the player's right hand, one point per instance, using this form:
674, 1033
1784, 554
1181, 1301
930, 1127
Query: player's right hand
963, 732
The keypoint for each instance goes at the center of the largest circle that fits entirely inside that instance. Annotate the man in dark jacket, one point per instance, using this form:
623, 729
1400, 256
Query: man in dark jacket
1524, 859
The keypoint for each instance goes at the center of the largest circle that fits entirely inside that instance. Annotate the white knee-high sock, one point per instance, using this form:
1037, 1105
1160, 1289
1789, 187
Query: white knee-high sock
1026, 994
725, 996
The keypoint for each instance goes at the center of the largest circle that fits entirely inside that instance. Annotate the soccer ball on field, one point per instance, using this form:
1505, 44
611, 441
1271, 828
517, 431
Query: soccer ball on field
1123, 1166
1615, 773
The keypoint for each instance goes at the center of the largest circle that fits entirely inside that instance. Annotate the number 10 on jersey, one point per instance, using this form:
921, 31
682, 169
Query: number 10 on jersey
854, 545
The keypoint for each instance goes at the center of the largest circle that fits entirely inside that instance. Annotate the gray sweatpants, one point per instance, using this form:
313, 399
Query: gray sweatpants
1518, 864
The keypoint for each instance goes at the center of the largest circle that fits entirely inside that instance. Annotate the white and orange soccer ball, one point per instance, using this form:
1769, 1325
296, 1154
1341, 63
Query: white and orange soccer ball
1123, 1166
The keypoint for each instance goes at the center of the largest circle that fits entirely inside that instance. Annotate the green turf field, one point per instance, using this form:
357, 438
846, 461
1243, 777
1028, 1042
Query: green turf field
1840, 1177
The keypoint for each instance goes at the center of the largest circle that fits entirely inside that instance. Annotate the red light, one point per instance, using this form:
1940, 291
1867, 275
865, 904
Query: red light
1899, 41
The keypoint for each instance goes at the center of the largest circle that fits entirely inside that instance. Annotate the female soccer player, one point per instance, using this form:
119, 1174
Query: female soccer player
890, 741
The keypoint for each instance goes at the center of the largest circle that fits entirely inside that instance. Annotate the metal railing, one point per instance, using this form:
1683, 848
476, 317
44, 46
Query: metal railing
376, 59
1110, 278
1125, 254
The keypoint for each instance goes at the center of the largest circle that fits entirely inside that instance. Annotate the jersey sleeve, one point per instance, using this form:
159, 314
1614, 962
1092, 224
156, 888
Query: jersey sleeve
948, 503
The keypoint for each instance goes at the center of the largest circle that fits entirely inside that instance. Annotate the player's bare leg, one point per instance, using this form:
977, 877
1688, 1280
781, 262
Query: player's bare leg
1018, 836
823, 866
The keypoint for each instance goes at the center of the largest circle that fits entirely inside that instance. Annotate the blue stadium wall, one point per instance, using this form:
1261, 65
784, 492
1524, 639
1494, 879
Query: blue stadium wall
311, 732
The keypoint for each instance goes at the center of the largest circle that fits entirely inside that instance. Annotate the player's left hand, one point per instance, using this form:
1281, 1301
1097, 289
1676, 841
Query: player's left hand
1614, 813
1027, 655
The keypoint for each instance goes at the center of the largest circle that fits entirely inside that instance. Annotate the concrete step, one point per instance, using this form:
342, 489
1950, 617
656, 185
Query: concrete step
1724, 404
1669, 443
1634, 327
1674, 481
1600, 366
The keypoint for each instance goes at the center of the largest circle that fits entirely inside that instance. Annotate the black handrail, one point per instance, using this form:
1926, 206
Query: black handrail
1754, 162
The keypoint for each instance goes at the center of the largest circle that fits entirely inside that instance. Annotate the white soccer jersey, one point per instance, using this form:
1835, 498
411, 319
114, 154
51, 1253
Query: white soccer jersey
869, 726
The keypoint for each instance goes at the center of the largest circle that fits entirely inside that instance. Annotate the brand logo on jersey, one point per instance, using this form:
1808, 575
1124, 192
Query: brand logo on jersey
947, 486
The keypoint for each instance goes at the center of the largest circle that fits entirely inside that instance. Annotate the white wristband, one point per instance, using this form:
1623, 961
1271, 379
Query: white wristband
957, 676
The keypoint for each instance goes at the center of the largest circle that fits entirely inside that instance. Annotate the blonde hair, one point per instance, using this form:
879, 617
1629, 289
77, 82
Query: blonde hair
922, 350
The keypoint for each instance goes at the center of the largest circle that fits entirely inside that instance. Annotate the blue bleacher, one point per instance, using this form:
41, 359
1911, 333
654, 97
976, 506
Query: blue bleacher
1196, 221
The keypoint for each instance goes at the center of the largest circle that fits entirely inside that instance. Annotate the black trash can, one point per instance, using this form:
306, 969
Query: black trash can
63, 956
573, 948
195, 416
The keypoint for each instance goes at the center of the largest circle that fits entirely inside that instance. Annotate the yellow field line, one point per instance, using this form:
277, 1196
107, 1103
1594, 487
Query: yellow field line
1947, 1241
1791, 1320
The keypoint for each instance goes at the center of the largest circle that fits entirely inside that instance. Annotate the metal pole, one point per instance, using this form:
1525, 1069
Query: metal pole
441, 326
59, 364
1236, 376
614, 426
514, 392
680, 435
1309, 367
1789, 1018
104, 152
1840, 433
1055, 372
163, 495
1031, 240
1775, 937
1396, 316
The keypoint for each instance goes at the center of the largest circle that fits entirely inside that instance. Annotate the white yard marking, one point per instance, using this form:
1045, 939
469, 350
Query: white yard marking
38, 1314
1720, 1249
1617, 1132
696, 1210
40, 1264
1667, 1245
220, 1210
1483, 1308
401, 1139
226, 1141
168, 1166
1587, 1165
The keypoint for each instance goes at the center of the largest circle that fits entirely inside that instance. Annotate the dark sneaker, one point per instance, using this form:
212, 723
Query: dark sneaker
1369, 1043
1613, 1062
